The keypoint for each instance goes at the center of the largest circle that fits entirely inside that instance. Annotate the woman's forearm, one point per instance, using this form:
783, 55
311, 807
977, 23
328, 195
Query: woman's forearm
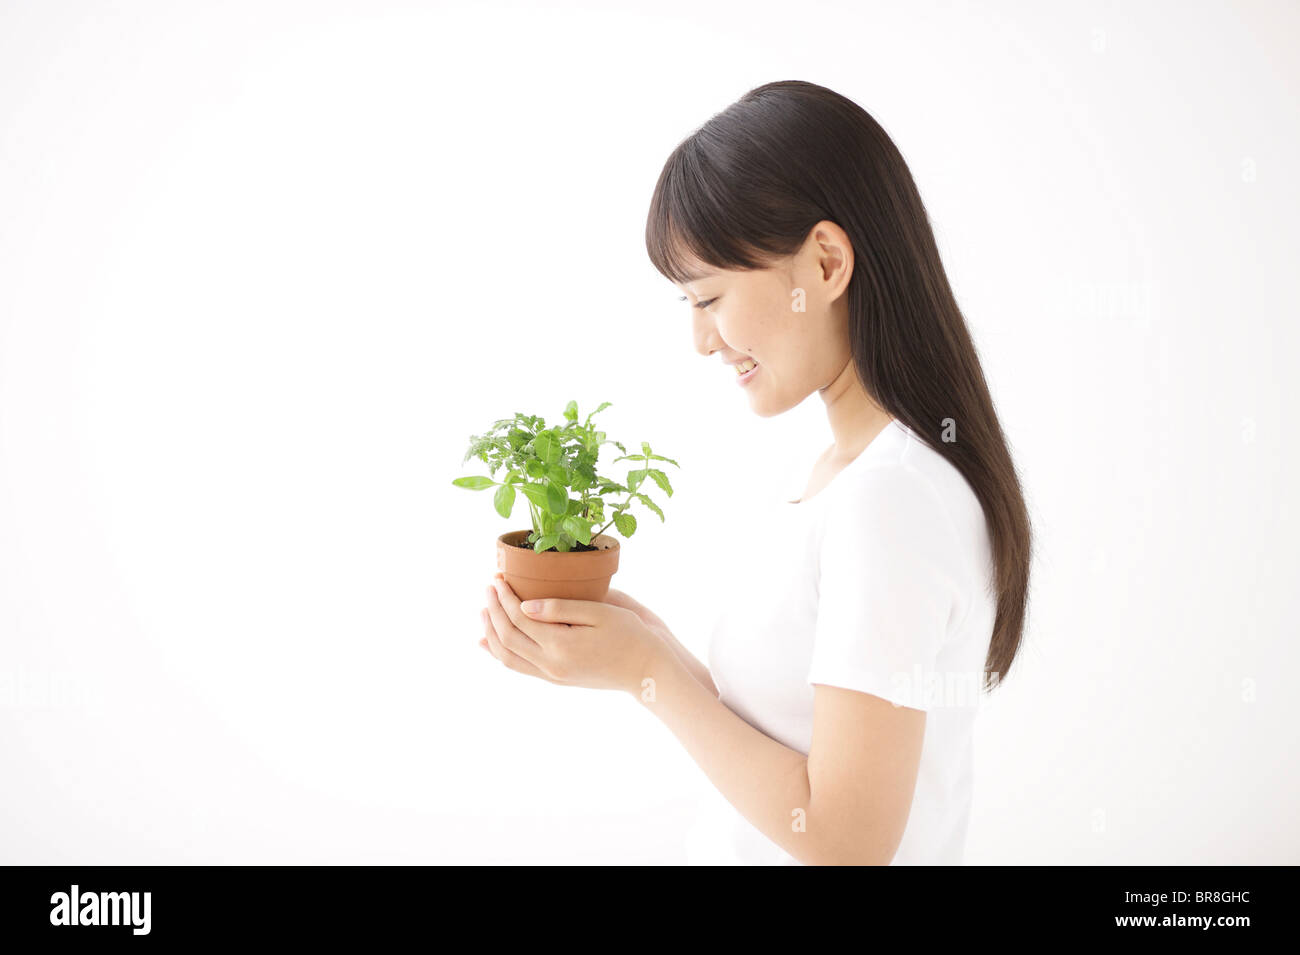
693, 664
764, 780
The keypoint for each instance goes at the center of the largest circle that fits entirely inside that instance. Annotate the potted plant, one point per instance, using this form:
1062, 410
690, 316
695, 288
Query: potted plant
567, 553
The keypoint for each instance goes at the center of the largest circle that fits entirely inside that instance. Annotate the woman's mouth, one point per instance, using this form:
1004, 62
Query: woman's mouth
745, 371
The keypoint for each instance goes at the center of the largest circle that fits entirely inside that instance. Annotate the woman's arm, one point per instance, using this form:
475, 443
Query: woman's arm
847, 802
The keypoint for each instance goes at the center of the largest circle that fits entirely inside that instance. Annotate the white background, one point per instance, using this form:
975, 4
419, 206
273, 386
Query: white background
265, 266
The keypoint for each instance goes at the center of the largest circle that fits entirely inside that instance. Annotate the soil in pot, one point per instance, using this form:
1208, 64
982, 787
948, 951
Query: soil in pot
576, 548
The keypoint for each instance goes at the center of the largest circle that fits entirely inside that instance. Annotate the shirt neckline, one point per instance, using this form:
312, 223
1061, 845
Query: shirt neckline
860, 456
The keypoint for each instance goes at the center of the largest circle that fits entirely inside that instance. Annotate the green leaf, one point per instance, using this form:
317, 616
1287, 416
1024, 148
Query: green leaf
475, 483
660, 457
479, 446
545, 542
603, 405
582, 478
634, 478
651, 504
535, 493
504, 501
662, 480
545, 447
557, 501
578, 528
625, 523
571, 411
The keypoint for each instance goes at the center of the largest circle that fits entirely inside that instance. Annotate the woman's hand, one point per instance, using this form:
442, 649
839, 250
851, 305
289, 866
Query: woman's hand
619, 599
586, 643
660, 629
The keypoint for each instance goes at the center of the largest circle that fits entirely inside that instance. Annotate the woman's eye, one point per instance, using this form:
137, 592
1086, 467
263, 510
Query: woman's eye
707, 303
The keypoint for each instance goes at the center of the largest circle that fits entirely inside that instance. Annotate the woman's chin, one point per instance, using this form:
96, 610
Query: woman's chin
764, 407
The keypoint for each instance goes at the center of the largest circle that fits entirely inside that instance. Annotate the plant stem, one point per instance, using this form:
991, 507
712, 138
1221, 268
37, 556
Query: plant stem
630, 494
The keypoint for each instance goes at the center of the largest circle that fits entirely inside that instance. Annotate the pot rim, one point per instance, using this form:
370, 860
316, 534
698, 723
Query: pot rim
613, 545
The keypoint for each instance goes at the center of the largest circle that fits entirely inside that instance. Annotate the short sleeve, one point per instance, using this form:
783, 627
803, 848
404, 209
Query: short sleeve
885, 587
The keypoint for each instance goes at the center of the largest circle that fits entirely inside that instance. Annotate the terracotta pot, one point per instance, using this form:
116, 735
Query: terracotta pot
572, 575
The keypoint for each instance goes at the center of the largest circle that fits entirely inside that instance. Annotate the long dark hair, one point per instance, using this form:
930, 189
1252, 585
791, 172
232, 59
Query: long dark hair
744, 190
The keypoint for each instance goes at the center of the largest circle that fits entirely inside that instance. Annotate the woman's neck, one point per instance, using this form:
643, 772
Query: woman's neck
855, 419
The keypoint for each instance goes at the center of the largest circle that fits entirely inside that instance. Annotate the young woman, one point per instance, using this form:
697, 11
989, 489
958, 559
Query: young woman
835, 715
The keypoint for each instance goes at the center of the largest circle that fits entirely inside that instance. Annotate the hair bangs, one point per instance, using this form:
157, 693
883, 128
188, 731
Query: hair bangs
692, 224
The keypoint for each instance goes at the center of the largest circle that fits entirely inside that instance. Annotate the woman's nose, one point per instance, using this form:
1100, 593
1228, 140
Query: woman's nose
707, 340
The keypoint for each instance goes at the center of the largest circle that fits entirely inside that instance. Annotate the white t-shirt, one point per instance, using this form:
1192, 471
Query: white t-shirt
882, 582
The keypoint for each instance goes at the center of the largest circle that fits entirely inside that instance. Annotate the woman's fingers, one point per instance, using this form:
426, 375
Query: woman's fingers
552, 618
510, 636
489, 641
509, 659
618, 598
575, 613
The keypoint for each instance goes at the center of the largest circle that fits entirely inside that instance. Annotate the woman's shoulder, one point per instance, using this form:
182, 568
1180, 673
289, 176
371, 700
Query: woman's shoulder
909, 486
894, 470
887, 494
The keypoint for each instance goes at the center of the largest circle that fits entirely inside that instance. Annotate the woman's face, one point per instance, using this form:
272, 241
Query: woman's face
789, 321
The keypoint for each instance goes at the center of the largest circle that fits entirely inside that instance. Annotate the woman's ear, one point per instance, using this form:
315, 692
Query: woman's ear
834, 254
823, 267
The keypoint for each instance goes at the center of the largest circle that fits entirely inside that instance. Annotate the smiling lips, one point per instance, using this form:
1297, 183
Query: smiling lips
745, 371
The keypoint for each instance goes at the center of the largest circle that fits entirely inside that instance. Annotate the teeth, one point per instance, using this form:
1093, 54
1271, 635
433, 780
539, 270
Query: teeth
745, 366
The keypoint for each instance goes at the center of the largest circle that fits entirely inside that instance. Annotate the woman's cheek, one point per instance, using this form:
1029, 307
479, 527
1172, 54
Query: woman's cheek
739, 334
